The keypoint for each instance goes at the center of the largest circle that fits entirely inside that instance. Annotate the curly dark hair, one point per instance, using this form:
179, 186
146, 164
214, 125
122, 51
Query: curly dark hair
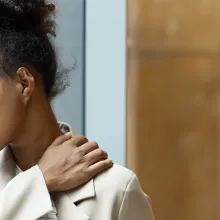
25, 30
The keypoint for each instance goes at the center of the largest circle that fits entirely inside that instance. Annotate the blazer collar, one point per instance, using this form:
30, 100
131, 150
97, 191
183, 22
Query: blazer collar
66, 210
86, 191
66, 202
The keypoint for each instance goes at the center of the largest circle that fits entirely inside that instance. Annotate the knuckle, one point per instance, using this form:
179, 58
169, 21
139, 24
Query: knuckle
94, 144
80, 153
78, 157
84, 169
81, 160
73, 140
101, 153
86, 174
105, 164
102, 166
81, 137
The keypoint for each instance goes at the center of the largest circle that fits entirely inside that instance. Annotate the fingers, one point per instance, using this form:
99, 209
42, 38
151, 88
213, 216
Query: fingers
95, 156
89, 147
99, 167
62, 139
78, 140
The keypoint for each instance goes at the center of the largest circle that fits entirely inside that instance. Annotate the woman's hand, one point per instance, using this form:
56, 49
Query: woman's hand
71, 161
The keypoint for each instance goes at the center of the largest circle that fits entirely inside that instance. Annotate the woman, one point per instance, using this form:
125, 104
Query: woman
60, 168
28, 81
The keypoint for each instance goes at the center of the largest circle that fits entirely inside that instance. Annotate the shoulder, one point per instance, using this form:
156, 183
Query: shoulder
115, 180
117, 194
117, 174
120, 189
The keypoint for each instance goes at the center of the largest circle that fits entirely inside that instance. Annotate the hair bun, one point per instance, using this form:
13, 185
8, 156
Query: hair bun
28, 14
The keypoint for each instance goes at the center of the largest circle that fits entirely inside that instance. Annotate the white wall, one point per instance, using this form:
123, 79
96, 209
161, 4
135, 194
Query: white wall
105, 107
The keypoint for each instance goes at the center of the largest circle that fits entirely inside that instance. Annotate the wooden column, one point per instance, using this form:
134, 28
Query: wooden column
173, 110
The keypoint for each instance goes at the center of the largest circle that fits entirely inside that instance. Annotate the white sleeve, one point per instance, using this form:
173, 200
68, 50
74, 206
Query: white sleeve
25, 197
135, 204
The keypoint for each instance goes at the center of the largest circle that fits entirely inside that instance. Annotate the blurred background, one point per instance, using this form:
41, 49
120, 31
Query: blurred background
146, 86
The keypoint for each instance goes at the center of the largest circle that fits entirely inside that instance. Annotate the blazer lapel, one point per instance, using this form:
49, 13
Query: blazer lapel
65, 202
66, 209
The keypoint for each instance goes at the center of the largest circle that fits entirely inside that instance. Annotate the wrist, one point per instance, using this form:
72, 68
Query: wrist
49, 184
48, 180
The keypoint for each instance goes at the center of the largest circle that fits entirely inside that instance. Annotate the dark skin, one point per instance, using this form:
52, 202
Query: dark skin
30, 126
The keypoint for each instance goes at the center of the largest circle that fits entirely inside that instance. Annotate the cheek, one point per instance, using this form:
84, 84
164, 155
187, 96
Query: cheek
11, 115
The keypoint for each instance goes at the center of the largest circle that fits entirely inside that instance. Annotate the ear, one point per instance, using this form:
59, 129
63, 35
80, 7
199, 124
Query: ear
26, 83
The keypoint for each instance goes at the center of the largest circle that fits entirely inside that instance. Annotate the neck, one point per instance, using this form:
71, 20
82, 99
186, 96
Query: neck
37, 135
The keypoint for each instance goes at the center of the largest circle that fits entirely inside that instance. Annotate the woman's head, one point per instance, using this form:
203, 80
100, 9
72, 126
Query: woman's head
28, 64
24, 42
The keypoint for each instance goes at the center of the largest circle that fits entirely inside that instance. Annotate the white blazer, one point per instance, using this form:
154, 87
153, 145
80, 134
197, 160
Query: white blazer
113, 195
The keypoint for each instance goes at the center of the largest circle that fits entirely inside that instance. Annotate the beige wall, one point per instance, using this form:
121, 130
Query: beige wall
173, 112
